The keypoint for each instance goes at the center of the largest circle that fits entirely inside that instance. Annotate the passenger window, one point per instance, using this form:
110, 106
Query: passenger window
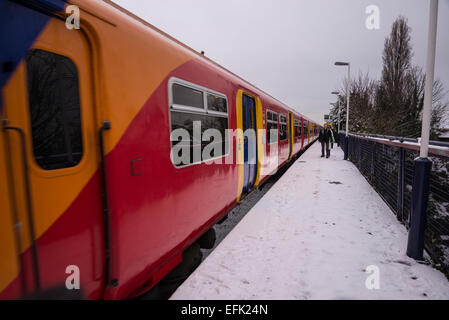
282, 128
216, 103
54, 107
272, 124
191, 110
185, 96
297, 126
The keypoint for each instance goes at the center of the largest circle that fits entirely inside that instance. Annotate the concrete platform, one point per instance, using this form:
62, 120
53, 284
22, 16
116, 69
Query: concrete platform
321, 232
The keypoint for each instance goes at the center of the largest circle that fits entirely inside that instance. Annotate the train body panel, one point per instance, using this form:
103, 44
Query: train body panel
126, 72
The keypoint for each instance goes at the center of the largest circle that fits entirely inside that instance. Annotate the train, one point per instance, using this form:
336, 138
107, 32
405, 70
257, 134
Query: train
94, 198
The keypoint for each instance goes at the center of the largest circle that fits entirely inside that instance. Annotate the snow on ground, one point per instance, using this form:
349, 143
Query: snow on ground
236, 214
313, 236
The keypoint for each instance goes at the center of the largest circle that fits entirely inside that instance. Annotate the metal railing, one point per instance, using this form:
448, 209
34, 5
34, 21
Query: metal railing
388, 165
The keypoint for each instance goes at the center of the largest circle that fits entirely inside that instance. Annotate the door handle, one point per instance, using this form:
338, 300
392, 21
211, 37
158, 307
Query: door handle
30, 217
106, 125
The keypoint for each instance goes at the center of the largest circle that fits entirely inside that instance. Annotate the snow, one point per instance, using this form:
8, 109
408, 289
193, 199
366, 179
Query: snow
444, 135
314, 235
236, 214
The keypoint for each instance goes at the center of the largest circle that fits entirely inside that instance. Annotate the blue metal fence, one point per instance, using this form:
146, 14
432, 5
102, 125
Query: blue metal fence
388, 163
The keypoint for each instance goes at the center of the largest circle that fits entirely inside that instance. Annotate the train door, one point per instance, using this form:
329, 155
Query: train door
52, 141
304, 132
291, 135
249, 142
308, 132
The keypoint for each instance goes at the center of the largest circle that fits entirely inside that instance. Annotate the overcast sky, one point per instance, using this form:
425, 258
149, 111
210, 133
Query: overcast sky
287, 47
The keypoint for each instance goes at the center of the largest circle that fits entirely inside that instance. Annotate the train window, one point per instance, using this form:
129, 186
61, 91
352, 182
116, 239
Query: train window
272, 125
215, 116
216, 103
54, 107
188, 97
297, 127
282, 128
219, 145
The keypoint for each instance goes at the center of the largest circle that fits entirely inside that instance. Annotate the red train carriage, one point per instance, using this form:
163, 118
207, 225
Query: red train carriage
89, 178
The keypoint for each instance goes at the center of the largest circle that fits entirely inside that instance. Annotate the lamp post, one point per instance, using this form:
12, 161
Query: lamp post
339, 63
336, 104
338, 120
422, 164
333, 105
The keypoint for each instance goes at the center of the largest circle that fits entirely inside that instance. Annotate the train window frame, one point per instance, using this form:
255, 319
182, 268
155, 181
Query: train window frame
36, 165
198, 111
183, 106
215, 112
272, 121
297, 128
283, 122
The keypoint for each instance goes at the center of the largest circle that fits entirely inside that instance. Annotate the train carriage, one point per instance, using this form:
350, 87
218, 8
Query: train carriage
89, 177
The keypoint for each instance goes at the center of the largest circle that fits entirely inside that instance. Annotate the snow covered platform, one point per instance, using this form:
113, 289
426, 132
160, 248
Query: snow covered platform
319, 233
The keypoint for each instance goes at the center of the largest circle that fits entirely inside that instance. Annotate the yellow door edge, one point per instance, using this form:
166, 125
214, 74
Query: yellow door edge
239, 145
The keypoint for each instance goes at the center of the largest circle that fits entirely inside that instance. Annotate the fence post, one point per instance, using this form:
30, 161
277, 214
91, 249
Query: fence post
346, 146
420, 196
400, 198
360, 153
373, 150
422, 164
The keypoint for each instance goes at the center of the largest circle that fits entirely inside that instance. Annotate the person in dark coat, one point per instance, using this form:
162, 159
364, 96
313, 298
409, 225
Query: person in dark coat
324, 138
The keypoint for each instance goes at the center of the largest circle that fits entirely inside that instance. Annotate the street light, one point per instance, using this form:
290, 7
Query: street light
338, 115
422, 164
338, 106
331, 115
339, 63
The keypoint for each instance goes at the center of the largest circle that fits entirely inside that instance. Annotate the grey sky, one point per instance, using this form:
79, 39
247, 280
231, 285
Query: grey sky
287, 47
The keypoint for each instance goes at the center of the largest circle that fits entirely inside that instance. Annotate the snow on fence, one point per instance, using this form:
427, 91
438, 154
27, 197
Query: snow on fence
387, 164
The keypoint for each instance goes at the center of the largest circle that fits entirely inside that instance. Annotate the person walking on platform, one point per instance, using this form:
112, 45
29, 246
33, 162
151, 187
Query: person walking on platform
324, 137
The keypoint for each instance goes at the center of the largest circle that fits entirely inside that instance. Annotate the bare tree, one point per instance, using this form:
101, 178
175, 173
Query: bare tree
391, 94
440, 110
362, 103
394, 104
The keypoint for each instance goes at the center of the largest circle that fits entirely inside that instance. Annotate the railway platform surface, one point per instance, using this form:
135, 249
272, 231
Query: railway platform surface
321, 232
